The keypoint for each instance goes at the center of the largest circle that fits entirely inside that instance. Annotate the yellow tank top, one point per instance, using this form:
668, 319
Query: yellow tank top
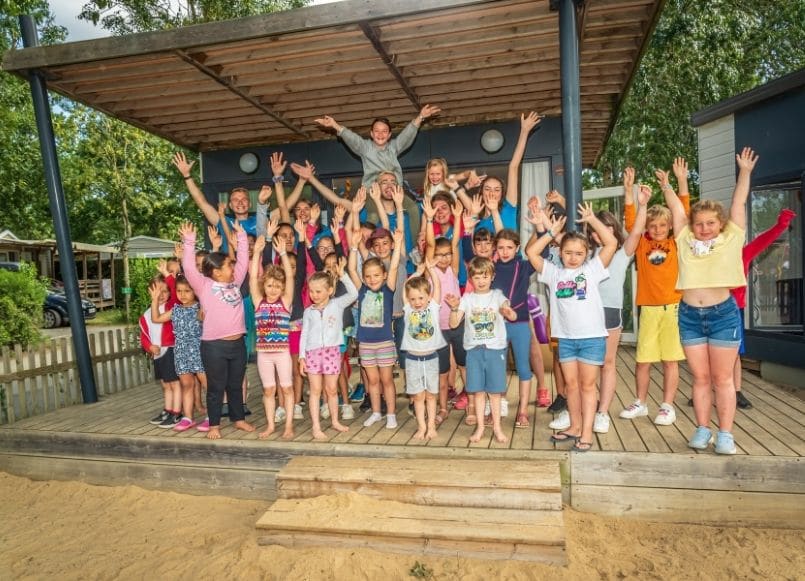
715, 263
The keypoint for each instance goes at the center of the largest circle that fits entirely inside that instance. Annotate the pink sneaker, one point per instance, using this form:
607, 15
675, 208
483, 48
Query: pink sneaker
462, 401
184, 424
204, 426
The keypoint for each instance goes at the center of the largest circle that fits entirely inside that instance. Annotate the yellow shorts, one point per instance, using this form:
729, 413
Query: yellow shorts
658, 334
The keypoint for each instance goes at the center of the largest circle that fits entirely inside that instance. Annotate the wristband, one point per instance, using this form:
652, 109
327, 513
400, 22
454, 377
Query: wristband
354, 249
430, 221
277, 179
187, 177
667, 187
283, 253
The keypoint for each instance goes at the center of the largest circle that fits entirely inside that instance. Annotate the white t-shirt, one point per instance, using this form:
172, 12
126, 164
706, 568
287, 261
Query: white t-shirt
576, 309
612, 288
483, 323
422, 334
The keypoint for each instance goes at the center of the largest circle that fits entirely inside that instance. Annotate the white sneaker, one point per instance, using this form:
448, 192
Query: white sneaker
561, 421
391, 421
297, 412
324, 411
279, 414
601, 423
504, 408
372, 419
636, 410
666, 415
347, 413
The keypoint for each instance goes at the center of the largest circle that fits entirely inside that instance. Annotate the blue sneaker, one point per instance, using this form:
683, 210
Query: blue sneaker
725, 443
358, 393
701, 438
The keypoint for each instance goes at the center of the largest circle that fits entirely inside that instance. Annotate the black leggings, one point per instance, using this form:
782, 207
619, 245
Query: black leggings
225, 365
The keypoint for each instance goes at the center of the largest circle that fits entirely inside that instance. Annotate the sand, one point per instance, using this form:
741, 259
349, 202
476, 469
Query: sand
77, 531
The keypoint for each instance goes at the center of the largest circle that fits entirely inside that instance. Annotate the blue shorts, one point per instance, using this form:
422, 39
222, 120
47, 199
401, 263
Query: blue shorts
486, 370
718, 326
742, 348
590, 351
519, 337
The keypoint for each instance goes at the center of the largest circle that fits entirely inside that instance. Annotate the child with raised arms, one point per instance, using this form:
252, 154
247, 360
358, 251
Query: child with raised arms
483, 312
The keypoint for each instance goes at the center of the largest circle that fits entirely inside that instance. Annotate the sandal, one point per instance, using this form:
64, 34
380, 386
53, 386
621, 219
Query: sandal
563, 437
470, 420
581, 446
522, 421
441, 416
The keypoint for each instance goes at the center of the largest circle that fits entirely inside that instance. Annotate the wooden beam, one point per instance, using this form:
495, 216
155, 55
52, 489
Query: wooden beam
230, 85
373, 37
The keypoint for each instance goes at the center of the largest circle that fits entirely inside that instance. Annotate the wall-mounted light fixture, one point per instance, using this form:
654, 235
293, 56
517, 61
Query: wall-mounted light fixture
248, 163
492, 141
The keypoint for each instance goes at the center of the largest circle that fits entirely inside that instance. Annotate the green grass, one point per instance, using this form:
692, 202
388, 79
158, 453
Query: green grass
109, 317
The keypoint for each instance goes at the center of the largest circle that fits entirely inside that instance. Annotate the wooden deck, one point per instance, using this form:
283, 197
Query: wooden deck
112, 442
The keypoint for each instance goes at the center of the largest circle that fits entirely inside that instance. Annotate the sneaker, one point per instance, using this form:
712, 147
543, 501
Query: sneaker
297, 412
391, 421
543, 398
366, 404
347, 413
636, 410
163, 415
601, 423
204, 426
725, 443
373, 419
666, 415
279, 414
341, 399
170, 421
561, 421
184, 424
246, 410
225, 410
701, 438
462, 401
324, 412
741, 401
504, 408
358, 394
559, 404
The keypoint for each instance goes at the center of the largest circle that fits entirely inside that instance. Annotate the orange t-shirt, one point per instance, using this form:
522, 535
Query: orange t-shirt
656, 263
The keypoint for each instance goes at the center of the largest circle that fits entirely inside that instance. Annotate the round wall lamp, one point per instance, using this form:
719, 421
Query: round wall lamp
492, 141
248, 163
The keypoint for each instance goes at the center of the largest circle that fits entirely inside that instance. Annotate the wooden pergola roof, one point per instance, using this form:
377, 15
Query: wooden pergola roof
263, 80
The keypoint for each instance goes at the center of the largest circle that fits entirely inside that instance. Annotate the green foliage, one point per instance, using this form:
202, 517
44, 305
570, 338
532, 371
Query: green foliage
700, 53
22, 295
142, 270
420, 571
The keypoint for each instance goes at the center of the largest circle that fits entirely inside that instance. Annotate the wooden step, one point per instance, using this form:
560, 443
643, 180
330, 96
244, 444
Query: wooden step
445, 482
352, 520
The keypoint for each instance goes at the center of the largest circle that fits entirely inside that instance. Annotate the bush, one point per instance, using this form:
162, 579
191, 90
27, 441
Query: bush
141, 271
22, 295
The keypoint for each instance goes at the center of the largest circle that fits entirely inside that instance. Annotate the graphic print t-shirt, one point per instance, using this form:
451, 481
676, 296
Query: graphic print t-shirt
576, 308
422, 333
374, 314
483, 323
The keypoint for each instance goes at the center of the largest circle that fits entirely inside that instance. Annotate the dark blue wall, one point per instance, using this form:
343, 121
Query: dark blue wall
775, 129
461, 146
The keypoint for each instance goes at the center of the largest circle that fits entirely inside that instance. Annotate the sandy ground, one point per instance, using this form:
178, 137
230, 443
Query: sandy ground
76, 531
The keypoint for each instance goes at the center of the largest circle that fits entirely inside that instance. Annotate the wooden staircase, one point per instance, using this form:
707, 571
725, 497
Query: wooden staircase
485, 509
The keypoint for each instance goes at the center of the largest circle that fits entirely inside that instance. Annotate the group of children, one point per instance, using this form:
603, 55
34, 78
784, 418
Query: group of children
451, 300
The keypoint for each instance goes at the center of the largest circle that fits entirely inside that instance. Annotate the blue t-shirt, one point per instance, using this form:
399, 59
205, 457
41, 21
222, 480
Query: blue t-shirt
374, 314
508, 215
249, 225
513, 279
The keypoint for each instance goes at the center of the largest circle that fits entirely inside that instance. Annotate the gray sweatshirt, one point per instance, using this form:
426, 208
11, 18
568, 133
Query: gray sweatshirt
376, 160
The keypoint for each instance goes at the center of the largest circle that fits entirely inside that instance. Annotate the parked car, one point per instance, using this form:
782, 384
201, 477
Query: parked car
54, 310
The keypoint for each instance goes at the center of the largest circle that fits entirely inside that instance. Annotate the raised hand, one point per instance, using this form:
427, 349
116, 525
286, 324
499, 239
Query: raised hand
469, 221
474, 180
178, 250
528, 122
427, 209
586, 213
508, 313
264, 194
260, 245
301, 229
398, 196
746, 159
628, 178
304, 172
452, 300
458, 210
187, 230
327, 122
339, 213
162, 267
272, 226
662, 177
341, 267
534, 215
680, 168
315, 213
215, 238
557, 225
429, 111
375, 193
451, 182
154, 289
181, 163
221, 209
477, 205
554, 197
359, 201
278, 164
643, 194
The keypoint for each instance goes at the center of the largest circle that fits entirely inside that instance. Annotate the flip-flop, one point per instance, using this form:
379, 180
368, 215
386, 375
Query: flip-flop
581, 447
522, 421
563, 437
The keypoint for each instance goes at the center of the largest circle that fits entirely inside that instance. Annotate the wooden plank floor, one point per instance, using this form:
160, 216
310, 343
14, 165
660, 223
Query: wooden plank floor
775, 426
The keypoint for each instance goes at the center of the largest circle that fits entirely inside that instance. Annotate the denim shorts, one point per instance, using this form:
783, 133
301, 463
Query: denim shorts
486, 370
590, 351
719, 325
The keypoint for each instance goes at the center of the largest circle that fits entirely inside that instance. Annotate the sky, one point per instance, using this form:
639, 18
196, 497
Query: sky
66, 14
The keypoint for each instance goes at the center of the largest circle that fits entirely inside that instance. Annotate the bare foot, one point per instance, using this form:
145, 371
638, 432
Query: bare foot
319, 435
500, 436
287, 435
420, 434
269, 430
244, 425
477, 434
338, 427
214, 434
431, 434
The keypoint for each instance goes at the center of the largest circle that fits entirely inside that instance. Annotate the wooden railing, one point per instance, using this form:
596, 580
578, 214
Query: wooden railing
45, 378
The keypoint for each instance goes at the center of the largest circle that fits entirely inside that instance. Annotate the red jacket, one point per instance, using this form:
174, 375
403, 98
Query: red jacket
148, 329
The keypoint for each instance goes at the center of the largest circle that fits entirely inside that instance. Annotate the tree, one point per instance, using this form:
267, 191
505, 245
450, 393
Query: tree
700, 53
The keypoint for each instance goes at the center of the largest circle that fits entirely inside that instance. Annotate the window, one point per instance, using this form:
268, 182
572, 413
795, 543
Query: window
775, 276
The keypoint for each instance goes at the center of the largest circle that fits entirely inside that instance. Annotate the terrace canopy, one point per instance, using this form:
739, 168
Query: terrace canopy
263, 80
